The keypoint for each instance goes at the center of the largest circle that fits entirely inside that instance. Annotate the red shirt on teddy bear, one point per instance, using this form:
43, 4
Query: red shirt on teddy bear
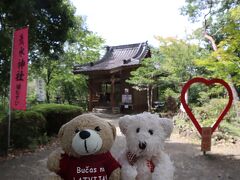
91, 167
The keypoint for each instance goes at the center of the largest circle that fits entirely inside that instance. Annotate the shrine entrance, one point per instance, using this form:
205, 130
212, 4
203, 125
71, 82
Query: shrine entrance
105, 93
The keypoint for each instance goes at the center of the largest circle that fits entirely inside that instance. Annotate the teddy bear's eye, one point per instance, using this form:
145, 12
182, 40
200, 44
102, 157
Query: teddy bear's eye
76, 130
137, 130
97, 128
150, 131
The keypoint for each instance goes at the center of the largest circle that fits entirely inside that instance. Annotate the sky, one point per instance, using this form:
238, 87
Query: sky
133, 21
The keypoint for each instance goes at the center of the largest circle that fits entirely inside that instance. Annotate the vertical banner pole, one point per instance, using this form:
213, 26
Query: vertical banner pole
10, 87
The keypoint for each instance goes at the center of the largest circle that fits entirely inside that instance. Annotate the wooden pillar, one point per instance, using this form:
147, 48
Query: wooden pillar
112, 92
90, 93
121, 85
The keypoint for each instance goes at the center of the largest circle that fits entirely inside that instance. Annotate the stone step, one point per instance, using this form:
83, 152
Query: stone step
115, 110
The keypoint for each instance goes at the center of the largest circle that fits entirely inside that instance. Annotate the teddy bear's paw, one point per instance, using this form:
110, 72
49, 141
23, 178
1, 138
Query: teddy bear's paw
53, 160
164, 169
128, 173
115, 174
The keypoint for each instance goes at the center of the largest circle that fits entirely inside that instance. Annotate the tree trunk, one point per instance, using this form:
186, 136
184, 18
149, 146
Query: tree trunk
151, 97
186, 99
148, 99
47, 96
210, 38
3, 102
48, 80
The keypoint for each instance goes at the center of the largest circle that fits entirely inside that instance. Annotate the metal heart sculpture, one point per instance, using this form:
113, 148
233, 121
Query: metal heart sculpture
208, 83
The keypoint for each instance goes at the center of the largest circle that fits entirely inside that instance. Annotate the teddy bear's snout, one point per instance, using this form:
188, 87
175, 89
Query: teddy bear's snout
84, 134
142, 145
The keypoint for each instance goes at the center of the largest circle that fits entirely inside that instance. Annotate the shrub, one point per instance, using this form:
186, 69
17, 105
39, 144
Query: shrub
1, 116
171, 104
208, 114
56, 115
27, 128
232, 129
210, 111
170, 93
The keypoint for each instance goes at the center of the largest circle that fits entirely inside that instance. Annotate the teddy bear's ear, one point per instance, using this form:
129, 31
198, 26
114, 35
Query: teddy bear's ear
123, 123
167, 126
113, 129
61, 131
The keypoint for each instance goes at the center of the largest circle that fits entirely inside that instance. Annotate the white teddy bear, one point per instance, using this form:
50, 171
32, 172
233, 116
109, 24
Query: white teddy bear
144, 157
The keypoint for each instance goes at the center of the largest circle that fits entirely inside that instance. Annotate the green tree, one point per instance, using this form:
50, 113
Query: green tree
146, 77
49, 22
226, 59
212, 14
179, 61
216, 15
171, 65
179, 56
81, 47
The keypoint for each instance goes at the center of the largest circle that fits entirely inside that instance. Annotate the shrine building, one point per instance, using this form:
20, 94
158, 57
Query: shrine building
107, 77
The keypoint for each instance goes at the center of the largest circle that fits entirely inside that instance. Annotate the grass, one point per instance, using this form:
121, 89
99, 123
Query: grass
233, 129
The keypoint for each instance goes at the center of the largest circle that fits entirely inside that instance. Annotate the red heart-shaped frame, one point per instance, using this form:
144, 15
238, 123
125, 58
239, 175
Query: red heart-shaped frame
206, 82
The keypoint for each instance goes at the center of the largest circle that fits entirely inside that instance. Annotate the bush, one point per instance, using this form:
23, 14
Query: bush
1, 116
27, 128
56, 115
171, 104
3, 111
208, 114
233, 129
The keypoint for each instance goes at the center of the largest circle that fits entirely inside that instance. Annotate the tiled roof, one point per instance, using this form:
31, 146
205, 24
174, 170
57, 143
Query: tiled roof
115, 57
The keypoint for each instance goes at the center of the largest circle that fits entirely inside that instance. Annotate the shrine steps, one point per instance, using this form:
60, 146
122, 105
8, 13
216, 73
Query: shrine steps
106, 109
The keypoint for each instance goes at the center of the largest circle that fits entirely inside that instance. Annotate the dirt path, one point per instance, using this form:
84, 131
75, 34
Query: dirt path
222, 163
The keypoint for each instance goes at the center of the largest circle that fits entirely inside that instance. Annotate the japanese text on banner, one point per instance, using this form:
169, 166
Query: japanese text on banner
19, 71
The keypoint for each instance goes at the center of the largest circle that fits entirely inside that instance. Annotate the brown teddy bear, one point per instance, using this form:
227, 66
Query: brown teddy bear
85, 150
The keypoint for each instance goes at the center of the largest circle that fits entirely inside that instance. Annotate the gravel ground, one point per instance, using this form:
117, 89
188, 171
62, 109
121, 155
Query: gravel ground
222, 163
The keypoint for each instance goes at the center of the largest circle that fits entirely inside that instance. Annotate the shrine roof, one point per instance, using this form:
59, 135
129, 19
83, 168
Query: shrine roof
116, 57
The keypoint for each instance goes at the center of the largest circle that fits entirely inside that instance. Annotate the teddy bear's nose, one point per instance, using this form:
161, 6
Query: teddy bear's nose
84, 134
142, 145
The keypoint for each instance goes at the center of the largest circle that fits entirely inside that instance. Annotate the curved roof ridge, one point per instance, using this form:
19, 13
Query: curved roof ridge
139, 51
126, 46
143, 52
